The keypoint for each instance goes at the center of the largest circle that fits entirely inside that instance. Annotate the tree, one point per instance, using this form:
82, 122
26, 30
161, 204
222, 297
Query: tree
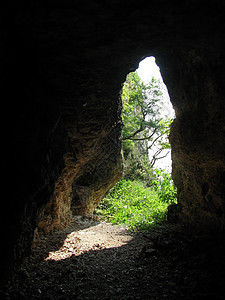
144, 128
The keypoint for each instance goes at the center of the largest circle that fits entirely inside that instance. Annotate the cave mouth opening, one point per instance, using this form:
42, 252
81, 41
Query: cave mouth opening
141, 198
147, 70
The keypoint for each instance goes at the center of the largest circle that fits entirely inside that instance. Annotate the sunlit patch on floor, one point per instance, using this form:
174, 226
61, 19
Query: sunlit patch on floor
89, 239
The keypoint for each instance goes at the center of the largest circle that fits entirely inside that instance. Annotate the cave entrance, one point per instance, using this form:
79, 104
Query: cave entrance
141, 198
147, 70
147, 115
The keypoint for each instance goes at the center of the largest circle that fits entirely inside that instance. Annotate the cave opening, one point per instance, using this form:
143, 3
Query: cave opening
142, 196
146, 70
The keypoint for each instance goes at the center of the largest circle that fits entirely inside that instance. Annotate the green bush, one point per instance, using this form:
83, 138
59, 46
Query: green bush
132, 204
164, 186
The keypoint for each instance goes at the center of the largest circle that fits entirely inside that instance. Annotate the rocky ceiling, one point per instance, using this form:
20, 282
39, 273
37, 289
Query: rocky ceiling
62, 68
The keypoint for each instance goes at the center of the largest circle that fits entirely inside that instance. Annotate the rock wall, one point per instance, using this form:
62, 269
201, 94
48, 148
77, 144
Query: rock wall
197, 139
62, 69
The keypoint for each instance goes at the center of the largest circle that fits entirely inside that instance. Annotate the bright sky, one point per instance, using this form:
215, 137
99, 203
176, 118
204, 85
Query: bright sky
147, 69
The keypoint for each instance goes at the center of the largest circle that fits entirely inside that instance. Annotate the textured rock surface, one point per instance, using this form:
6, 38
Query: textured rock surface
197, 139
62, 66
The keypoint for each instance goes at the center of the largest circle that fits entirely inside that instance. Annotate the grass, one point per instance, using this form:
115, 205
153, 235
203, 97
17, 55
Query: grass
132, 204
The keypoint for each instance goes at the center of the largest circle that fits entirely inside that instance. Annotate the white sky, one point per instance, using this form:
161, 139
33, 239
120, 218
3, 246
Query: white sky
147, 69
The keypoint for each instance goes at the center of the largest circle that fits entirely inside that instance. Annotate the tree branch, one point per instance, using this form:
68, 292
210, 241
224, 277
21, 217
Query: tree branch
159, 136
155, 158
132, 137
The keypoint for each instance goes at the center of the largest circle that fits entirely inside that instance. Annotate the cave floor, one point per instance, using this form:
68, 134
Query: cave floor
98, 260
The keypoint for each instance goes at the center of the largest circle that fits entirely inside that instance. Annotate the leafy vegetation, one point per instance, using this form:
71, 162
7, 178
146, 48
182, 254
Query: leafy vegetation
164, 186
136, 206
141, 198
144, 128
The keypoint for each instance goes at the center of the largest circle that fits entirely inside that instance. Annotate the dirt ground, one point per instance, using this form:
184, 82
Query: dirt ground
98, 260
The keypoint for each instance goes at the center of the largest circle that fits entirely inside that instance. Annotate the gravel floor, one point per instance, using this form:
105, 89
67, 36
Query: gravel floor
98, 260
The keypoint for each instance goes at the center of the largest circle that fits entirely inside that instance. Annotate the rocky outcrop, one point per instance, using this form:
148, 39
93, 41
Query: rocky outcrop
197, 139
62, 69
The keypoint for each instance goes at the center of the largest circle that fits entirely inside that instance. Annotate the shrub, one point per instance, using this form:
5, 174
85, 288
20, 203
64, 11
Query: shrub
132, 204
164, 186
